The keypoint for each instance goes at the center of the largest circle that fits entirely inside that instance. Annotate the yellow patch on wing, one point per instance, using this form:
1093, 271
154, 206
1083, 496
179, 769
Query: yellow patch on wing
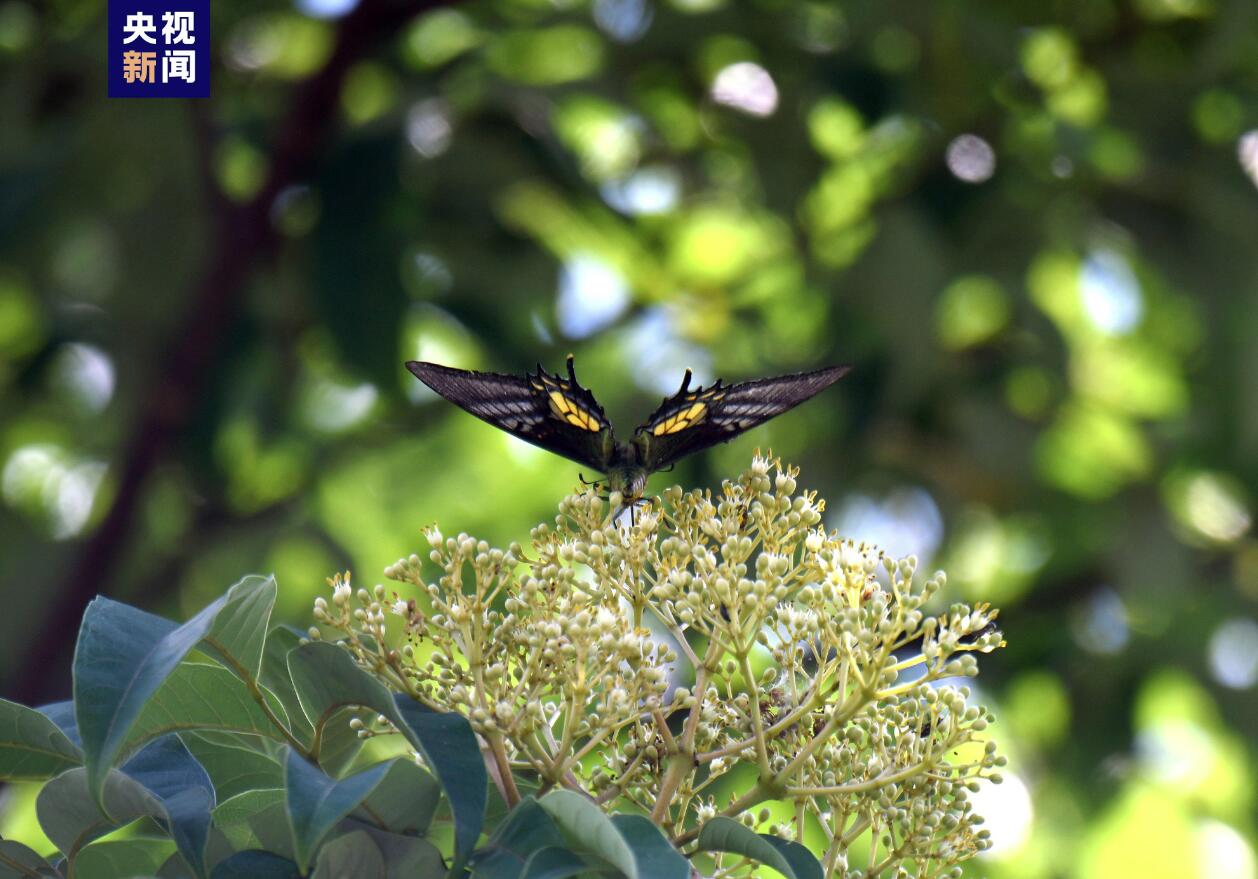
679, 421
570, 412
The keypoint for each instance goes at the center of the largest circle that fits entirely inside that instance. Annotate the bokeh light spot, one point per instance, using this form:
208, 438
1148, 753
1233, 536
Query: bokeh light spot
440, 36
1223, 852
46, 482
1247, 154
746, 86
971, 159
1100, 624
659, 355
546, 56
1234, 653
592, 295
327, 8
1110, 293
623, 20
1210, 504
970, 311
646, 192
331, 406
428, 127
85, 373
1008, 813
904, 522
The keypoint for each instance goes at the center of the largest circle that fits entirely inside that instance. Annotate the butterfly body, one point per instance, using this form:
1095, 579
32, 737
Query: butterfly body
557, 414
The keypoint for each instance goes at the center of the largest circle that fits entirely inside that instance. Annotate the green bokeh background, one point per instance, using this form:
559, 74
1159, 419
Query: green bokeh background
1031, 226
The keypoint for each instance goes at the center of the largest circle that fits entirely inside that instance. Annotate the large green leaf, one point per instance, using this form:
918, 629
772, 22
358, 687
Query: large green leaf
527, 829
238, 635
340, 743
31, 745
245, 805
352, 856
275, 676
654, 854
19, 862
168, 771
327, 679
62, 714
404, 801
122, 858
316, 803
554, 863
450, 750
70, 817
727, 835
200, 696
234, 767
122, 658
586, 827
407, 857
802, 861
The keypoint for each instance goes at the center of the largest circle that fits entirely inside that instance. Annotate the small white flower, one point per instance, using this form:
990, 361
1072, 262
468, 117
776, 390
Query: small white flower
401, 608
341, 592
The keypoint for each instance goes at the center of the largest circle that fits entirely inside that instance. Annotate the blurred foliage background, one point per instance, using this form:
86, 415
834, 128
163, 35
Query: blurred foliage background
1031, 226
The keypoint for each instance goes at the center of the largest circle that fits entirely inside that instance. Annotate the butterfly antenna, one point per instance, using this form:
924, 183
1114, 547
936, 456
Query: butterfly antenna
572, 372
685, 381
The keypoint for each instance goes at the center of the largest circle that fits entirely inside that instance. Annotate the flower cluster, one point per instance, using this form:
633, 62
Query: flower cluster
711, 654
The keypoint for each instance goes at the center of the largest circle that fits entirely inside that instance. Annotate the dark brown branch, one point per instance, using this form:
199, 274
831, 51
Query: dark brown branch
243, 238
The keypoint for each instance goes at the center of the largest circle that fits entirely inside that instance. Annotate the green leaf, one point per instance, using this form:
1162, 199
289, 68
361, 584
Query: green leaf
802, 861
234, 767
316, 802
200, 696
272, 830
240, 808
654, 854
340, 743
168, 771
31, 745
727, 835
585, 826
238, 636
70, 817
527, 829
256, 865
19, 862
554, 863
122, 657
352, 855
327, 679
450, 750
404, 801
62, 714
123, 858
407, 857
276, 678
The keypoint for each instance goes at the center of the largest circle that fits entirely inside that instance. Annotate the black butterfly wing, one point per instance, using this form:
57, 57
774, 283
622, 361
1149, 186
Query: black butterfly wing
693, 420
549, 411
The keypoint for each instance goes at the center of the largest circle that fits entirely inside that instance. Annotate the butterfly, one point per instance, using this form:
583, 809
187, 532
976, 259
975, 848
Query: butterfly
559, 415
